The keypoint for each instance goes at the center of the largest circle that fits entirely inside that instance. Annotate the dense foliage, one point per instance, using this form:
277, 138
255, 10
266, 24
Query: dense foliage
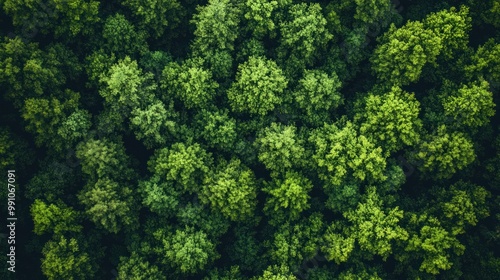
252, 139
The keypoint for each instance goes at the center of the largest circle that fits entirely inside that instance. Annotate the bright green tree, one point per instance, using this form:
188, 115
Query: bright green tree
232, 190
444, 153
188, 251
376, 227
190, 83
471, 105
258, 87
316, 93
289, 195
390, 119
54, 218
303, 36
137, 267
403, 52
216, 26
279, 147
68, 258
154, 124
341, 153
218, 129
185, 165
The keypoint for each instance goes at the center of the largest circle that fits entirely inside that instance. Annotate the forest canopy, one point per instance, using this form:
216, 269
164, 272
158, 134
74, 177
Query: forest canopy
250, 139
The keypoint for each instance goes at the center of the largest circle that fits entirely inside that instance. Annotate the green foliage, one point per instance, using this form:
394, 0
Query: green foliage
279, 148
61, 17
275, 272
153, 124
303, 35
218, 129
403, 52
340, 153
126, 86
155, 15
54, 218
192, 84
470, 106
184, 165
376, 227
289, 195
259, 13
317, 92
122, 38
110, 205
452, 27
444, 153
231, 190
370, 11
432, 244
44, 116
76, 126
486, 61
187, 251
159, 196
68, 258
102, 159
216, 26
136, 267
390, 119
258, 87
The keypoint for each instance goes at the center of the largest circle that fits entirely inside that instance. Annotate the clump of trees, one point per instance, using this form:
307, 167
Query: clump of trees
186, 139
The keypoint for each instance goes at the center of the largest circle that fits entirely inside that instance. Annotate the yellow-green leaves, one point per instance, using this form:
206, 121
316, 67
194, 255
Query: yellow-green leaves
390, 119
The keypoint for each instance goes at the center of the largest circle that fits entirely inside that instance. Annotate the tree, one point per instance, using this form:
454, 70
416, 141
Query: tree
279, 148
303, 35
75, 126
136, 267
375, 227
216, 26
103, 159
403, 52
184, 165
232, 190
431, 244
452, 27
61, 17
390, 119
371, 11
486, 62
259, 13
190, 83
187, 251
471, 105
340, 153
68, 258
44, 116
126, 87
316, 93
258, 87
444, 153
159, 196
294, 243
218, 129
155, 15
276, 272
121, 37
154, 124
53, 218
110, 205
289, 195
